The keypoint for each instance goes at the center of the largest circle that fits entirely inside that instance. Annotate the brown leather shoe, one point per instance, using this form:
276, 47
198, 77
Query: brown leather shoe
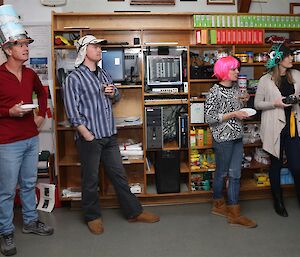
96, 226
146, 217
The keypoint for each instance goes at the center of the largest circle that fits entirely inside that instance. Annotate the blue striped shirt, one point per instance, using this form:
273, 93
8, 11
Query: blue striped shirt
86, 104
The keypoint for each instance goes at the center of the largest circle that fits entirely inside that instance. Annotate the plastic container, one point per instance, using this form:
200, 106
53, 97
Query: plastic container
258, 57
297, 56
200, 137
265, 56
193, 137
243, 57
242, 82
250, 56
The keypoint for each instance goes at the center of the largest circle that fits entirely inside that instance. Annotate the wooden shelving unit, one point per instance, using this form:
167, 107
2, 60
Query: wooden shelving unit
152, 29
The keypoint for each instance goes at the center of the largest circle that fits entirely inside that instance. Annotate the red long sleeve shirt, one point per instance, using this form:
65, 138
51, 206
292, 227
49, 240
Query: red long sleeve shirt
12, 91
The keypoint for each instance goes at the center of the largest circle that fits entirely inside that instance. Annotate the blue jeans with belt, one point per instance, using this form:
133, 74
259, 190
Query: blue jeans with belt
228, 156
106, 150
18, 165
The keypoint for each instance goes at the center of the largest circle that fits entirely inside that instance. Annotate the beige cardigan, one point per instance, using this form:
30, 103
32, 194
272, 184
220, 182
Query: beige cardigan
272, 118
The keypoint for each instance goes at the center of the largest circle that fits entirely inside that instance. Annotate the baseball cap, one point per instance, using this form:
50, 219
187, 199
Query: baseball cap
82, 44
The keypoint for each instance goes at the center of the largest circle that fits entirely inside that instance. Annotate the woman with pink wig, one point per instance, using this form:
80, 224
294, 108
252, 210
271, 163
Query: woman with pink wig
224, 116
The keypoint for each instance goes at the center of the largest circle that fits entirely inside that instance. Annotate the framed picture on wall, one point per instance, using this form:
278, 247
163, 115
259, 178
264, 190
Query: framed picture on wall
220, 2
152, 2
294, 8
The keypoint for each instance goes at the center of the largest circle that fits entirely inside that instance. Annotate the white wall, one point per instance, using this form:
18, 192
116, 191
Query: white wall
33, 11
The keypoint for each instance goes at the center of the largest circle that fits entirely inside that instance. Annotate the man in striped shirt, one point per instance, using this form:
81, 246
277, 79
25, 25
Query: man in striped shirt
88, 96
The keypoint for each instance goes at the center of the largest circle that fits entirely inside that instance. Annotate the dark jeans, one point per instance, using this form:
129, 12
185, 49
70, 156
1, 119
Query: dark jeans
106, 150
229, 156
291, 147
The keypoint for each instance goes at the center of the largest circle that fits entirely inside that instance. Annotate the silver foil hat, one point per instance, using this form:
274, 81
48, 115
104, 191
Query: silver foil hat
11, 30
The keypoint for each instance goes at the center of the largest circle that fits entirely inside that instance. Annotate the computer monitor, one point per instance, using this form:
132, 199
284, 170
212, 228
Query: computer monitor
113, 62
164, 70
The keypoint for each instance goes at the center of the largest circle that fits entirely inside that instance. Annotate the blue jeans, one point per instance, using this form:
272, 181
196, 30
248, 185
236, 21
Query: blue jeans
229, 156
18, 165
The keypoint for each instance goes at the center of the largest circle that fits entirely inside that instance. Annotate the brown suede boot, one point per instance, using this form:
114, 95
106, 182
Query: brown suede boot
96, 226
219, 207
146, 217
234, 217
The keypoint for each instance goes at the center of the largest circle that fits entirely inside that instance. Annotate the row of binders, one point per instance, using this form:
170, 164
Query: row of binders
246, 21
229, 36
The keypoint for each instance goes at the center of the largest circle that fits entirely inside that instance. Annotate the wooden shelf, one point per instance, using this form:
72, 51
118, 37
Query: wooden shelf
199, 125
203, 80
129, 126
69, 160
62, 128
120, 46
253, 64
210, 45
133, 161
165, 95
257, 144
153, 29
166, 102
254, 165
201, 147
65, 47
128, 86
72, 160
198, 100
202, 170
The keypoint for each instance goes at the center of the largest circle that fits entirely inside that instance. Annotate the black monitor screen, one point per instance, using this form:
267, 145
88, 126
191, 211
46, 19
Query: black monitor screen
164, 70
113, 62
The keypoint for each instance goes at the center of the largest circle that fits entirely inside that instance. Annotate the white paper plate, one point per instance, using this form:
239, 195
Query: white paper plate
249, 111
29, 106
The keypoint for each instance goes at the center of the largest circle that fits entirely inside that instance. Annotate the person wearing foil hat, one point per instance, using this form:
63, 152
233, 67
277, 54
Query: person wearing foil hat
88, 96
19, 145
280, 119
224, 115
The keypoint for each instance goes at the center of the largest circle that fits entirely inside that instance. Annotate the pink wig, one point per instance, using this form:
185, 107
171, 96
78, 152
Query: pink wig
224, 65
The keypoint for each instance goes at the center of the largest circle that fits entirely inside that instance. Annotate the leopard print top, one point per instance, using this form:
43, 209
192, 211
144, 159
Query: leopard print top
222, 100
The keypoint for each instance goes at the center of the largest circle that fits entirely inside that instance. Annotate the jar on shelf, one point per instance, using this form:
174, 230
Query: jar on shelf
200, 137
250, 56
297, 56
265, 56
243, 57
258, 57
242, 82
193, 137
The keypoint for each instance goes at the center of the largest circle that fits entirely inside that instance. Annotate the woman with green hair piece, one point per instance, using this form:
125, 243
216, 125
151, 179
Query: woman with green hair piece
277, 97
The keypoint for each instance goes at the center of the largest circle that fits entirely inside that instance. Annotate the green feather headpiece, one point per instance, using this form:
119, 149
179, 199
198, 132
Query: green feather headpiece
275, 55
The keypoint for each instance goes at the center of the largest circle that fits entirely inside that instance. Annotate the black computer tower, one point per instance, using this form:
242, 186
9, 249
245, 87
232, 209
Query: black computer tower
182, 130
154, 136
167, 171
